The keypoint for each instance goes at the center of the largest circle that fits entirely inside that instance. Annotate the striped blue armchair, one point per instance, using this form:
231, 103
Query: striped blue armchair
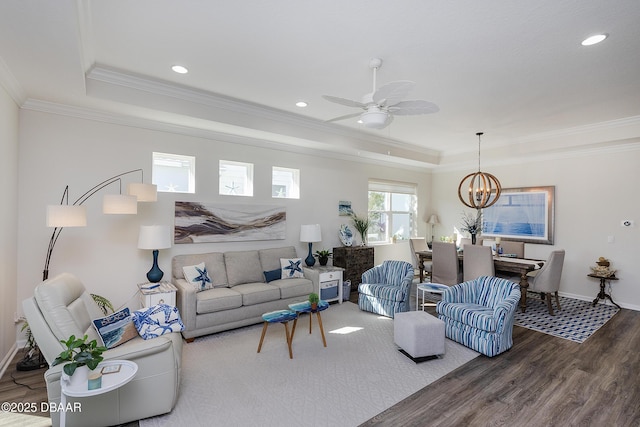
480, 313
386, 288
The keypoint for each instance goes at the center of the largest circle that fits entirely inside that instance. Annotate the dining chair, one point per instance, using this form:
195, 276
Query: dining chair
515, 248
419, 244
467, 241
478, 261
547, 279
446, 268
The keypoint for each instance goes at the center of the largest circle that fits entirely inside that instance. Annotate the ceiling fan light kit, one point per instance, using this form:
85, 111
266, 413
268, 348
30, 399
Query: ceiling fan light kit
381, 105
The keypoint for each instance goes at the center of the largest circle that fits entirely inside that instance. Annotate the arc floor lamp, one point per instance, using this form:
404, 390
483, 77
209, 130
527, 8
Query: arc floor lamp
75, 215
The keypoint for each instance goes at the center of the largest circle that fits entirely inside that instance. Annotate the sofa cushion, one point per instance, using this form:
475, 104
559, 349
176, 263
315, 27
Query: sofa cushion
214, 261
217, 299
293, 287
157, 320
291, 268
270, 258
256, 293
243, 267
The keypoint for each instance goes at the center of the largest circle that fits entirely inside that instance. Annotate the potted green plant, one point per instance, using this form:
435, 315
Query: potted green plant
323, 256
79, 352
362, 225
314, 299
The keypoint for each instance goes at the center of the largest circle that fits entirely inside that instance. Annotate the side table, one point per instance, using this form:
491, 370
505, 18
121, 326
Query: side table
432, 288
76, 385
603, 294
165, 293
327, 281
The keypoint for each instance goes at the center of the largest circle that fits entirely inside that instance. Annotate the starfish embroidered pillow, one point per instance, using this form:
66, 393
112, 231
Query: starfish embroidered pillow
291, 268
197, 277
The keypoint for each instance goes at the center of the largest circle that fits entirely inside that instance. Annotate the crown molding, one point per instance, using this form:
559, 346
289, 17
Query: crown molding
11, 84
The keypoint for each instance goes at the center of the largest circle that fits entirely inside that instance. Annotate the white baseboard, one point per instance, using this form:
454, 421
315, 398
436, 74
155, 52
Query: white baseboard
8, 358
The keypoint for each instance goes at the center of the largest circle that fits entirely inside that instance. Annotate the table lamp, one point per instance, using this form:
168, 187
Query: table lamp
433, 221
310, 233
154, 237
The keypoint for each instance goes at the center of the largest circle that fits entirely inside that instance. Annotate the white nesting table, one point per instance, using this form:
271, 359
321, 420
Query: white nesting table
433, 288
77, 386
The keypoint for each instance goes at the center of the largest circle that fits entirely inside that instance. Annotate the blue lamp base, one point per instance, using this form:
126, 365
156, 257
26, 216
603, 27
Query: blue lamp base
155, 274
310, 260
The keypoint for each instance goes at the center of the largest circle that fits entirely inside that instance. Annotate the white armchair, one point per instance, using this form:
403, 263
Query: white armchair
62, 307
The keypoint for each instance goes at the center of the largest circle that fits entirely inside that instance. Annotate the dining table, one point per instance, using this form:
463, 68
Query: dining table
502, 264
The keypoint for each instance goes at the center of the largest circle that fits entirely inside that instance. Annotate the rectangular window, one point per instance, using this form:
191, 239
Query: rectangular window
285, 183
174, 173
392, 210
236, 178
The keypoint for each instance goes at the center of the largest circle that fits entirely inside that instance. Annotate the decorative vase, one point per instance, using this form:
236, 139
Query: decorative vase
323, 260
473, 239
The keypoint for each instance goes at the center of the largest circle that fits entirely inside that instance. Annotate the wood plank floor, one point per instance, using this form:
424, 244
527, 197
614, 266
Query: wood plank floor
541, 381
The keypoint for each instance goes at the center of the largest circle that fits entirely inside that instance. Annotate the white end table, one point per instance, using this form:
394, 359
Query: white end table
77, 386
433, 288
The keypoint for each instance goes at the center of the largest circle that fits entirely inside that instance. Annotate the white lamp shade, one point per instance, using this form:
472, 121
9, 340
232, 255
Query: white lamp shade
143, 192
433, 219
154, 237
310, 233
119, 204
66, 216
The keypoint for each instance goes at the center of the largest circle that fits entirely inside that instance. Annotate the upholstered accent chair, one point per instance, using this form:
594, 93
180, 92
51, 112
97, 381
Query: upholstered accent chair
62, 307
478, 261
480, 314
547, 279
446, 267
386, 288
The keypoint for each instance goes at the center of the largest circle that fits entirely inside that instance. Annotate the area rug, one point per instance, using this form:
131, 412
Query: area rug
358, 375
577, 320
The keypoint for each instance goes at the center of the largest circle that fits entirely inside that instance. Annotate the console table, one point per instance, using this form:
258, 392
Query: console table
355, 260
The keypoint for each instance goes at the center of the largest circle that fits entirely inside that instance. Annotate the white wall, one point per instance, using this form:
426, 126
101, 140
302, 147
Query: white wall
58, 150
8, 224
592, 196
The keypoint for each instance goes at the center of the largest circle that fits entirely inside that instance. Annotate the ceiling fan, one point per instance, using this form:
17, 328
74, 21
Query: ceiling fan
381, 105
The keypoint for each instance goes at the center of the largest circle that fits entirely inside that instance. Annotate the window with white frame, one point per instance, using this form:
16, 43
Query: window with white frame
392, 210
236, 178
285, 183
174, 173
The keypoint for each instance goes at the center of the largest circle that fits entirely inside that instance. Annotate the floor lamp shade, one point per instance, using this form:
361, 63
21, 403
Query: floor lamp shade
310, 233
154, 237
119, 204
66, 216
143, 192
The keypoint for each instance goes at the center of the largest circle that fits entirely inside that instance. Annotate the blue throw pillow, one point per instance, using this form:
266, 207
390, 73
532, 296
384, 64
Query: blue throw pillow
157, 320
116, 328
273, 275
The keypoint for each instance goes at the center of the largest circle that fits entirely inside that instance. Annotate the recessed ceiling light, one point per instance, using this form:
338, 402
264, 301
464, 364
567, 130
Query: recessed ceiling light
180, 69
594, 39
301, 104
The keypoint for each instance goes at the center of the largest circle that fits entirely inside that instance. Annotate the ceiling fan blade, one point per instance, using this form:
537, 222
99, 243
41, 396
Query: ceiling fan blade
343, 101
348, 116
393, 92
408, 108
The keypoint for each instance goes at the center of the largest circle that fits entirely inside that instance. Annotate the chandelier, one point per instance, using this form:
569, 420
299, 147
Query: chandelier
481, 189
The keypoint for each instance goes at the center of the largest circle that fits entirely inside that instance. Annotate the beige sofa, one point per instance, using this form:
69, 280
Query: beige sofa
61, 307
241, 293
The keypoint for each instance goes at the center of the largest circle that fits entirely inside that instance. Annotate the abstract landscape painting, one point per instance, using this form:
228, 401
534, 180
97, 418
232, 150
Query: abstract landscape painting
213, 222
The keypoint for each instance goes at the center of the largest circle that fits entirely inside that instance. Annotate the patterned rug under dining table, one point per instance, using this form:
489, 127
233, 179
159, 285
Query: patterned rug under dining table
519, 266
